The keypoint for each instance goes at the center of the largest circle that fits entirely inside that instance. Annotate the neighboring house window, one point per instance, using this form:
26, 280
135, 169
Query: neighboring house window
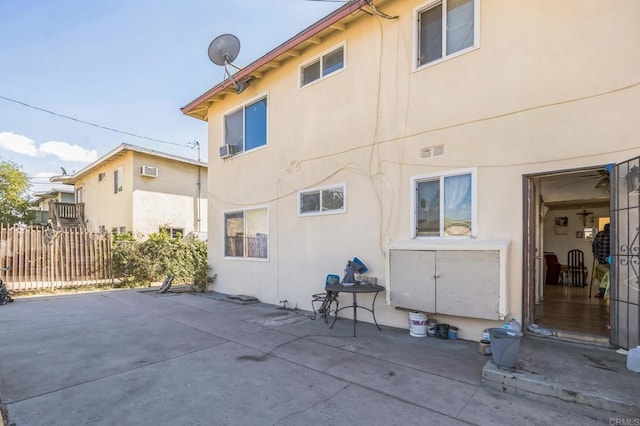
322, 66
102, 176
247, 233
246, 128
102, 229
79, 195
445, 28
117, 180
172, 232
326, 200
121, 230
444, 205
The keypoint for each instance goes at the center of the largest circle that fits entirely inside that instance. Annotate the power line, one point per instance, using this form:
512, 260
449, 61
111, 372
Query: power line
89, 123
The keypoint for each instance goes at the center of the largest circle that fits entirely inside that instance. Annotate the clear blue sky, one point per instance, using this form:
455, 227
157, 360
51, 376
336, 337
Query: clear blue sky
124, 64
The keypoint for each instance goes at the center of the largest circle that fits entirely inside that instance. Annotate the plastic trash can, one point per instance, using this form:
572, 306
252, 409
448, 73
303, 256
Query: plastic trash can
505, 346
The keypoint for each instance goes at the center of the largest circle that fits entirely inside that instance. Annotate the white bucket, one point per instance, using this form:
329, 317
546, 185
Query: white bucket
417, 324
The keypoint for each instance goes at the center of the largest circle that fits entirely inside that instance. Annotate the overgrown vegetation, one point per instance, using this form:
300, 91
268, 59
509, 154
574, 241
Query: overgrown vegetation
138, 263
14, 184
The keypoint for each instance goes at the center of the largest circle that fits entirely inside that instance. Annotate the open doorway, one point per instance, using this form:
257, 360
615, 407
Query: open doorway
566, 211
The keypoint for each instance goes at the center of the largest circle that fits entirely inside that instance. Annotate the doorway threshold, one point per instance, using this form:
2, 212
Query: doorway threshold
571, 336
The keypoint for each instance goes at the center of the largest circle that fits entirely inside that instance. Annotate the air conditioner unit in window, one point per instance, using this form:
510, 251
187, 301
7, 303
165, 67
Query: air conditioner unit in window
149, 171
227, 151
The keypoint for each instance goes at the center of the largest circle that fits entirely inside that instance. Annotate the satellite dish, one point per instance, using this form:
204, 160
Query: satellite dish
223, 50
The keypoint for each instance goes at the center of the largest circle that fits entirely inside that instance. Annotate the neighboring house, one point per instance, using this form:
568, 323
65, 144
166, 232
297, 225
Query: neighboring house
139, 190
437, 141
41, 201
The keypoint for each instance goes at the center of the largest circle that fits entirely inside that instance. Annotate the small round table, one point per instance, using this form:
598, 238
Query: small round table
355, 289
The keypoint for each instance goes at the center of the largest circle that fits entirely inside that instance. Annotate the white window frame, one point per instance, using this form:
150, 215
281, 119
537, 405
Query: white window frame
224, 234
253, 100
319, 57
416, 33
342, 186
440, 176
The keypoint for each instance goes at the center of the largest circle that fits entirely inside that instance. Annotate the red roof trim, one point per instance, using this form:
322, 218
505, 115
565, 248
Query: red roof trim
314, 29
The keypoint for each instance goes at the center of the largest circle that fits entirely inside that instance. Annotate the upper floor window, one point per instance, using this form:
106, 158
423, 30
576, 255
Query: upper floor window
326, 200
445, 28
246, 128
102, 176
117, 180
322, 66
444, 205
246, 233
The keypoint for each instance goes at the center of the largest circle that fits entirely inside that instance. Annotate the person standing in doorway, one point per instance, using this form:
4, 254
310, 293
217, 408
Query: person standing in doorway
601, 248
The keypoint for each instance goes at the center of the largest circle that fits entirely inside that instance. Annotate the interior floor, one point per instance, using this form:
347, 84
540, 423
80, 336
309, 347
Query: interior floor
569, 308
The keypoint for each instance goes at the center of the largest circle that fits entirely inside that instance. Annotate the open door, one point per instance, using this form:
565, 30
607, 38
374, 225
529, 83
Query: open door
625, 253
563, 212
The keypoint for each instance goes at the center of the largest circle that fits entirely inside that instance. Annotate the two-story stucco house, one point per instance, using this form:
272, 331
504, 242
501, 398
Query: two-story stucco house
139, 190
448, 144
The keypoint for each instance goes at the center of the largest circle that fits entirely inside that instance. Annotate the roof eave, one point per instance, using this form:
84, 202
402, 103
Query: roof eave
71, 179
195, 108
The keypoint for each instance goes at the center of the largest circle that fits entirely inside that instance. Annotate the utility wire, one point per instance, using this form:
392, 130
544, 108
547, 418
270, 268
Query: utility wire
89, 123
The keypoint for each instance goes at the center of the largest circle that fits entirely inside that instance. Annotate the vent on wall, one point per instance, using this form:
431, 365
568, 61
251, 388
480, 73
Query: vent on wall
149, 171
431, 151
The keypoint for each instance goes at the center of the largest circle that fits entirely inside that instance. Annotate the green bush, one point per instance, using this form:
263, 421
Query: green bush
143, 262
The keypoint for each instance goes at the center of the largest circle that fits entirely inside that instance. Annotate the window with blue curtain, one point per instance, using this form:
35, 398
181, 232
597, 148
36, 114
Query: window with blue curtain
255, 125
246, 128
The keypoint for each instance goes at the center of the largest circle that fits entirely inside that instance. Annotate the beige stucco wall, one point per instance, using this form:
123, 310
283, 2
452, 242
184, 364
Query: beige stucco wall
552, 86
169, 199
103, 207
155, 209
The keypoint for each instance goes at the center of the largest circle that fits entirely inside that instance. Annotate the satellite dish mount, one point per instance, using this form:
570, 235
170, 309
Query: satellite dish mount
223, 50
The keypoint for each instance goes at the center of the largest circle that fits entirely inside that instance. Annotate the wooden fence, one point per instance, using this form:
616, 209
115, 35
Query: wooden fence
39, 257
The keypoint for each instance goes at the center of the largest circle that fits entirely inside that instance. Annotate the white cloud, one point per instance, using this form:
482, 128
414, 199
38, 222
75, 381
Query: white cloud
68, 152
18, 143
65, 151
45, 174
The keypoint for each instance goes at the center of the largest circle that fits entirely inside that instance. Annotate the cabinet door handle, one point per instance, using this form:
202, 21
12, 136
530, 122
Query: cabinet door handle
436, 276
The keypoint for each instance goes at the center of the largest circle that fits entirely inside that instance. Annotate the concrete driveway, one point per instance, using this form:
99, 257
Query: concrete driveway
132, 358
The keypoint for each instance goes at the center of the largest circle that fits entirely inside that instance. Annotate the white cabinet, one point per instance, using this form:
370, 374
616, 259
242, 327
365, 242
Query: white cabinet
467, 282
412, 279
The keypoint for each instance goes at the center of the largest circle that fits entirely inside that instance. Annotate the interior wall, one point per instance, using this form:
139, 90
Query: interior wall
560, 242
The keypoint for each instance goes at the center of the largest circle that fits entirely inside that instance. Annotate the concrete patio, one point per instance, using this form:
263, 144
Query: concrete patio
129, 357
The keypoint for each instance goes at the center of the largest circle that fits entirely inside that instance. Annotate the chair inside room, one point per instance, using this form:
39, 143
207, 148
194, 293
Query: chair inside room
576, 271
553, 269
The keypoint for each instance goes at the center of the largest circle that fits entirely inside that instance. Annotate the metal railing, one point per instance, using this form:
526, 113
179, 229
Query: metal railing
65, 215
